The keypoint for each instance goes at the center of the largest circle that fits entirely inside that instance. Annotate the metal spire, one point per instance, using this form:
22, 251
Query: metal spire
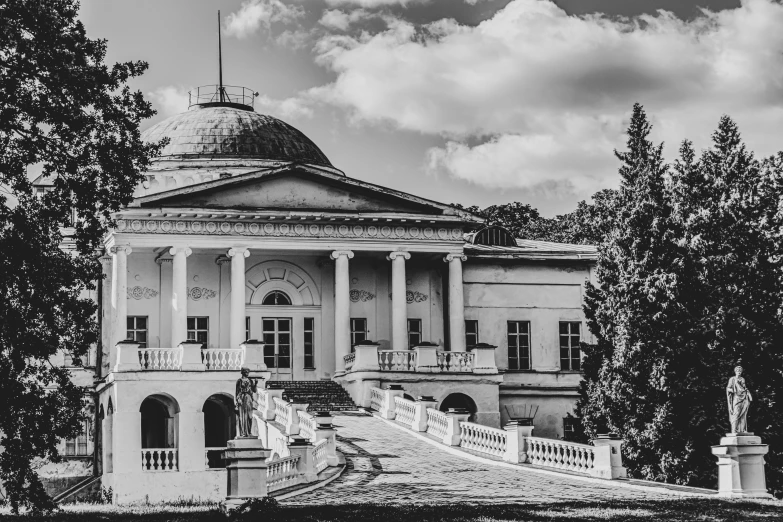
220, 62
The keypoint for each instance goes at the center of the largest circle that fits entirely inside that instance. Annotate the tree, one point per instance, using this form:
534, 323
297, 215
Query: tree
62, 108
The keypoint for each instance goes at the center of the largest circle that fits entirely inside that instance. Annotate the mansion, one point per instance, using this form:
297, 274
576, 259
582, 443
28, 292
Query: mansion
245, 247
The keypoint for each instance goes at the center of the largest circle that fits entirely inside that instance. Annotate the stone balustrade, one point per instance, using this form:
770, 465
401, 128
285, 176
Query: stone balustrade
404, 410
437, 423
307, 425
397, 360
424, 358
283, 473
570, 456
482, 439
282, 411
348, 360
189, 356
159, 459
455, 362
223, 358
320, 453
160, 358
213, 458
377, 398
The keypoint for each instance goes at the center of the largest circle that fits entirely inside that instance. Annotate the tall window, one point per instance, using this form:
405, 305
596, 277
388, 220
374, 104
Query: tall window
137, 329
309, 343
358, 331
276, 298
414, 332
471, 332
198, 329
570, 356
78, 446
519, 345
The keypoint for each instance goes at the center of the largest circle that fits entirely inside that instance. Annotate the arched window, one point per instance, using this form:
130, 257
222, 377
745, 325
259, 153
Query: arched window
276, 298
494, 236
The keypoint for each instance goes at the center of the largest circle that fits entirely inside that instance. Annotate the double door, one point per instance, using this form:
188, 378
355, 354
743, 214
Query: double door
277, 336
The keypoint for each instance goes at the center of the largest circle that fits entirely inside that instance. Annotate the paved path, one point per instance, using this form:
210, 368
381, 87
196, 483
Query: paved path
388, 464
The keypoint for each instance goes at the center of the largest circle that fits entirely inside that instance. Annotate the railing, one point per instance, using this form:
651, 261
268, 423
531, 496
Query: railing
558, 454
159, 459
397, 361
282, 411
213, 93
437, 423
160, 358
282, 473
404, 410
376, 399
349, 360
455, 361
213, 458
307, 425
482, 439
320, 453
223, 358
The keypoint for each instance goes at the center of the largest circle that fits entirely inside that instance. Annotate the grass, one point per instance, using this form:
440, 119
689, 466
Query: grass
701, 510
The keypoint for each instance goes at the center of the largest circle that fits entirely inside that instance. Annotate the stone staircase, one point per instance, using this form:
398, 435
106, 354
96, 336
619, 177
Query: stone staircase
320, 395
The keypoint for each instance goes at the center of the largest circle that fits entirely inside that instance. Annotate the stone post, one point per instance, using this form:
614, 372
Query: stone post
306, 465
246, 470
399, 301
127, 357
388, 411
191, 357
427, 358
741, 466
516, 441
254, 356
615, 444
325, 430
366, 357
342, 308
292, 428
420, 412
456, 303
454, 417
484, 358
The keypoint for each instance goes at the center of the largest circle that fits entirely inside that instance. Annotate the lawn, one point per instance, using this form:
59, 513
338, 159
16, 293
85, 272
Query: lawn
702, 510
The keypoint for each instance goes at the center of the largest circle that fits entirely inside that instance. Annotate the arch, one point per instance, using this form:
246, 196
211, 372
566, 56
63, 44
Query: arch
494, 235
265, 277
459, 400
219, 427
409, 397
276, 298
159, 415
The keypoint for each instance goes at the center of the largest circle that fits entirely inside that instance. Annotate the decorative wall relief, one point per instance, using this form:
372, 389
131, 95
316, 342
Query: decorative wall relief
361, 295
412, 296
141, 292
198, 293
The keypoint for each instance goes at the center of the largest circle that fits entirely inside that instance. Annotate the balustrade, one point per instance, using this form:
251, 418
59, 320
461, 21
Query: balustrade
307, 426
558, 454
455, 362
213, 458
223, 358
282, 411
397, 361
160, 358
437, 423
405, 410
282, 473
376, 399
349, 360
482, 439
321, 455
159, 459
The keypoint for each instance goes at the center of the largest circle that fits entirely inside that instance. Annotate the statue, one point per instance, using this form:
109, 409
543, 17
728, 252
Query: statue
246, 387
739, 398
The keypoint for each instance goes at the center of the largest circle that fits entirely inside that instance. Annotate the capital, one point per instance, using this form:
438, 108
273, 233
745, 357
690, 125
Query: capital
396, 254
124, 249
452, 257
239, 251
180, 250
338, 253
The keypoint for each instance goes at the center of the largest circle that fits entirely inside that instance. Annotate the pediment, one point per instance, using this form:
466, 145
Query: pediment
297, 189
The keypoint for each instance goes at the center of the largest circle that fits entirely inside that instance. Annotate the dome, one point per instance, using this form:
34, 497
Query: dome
232, 133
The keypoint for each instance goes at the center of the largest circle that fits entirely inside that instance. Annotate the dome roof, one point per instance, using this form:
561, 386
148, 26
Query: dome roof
228, 132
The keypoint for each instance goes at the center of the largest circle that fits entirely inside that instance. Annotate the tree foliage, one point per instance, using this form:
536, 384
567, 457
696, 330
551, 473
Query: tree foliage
690, 284
61, 108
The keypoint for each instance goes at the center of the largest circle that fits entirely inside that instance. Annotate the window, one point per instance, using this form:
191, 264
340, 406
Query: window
519, 345
277, 298
78, 446
571, 428
309, 343
198, 329
247, 328
414, 333
69, 360
358, 331
137, 329
570, 356
471, 332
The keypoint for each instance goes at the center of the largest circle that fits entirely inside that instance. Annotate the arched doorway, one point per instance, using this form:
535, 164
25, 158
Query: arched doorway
460, 400
159, 433
219, 428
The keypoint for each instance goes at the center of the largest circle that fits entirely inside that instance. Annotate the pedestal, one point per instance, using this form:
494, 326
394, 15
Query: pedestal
246, 471
741, 466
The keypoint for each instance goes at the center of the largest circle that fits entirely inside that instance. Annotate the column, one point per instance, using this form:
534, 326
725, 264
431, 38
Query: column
179, 295
456, 303
119, 296
399, 301
342, 308
237, 320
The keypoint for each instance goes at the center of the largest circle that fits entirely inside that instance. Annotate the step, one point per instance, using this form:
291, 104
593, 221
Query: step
319, 395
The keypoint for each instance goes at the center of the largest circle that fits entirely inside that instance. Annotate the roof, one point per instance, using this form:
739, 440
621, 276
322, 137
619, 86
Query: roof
527, 248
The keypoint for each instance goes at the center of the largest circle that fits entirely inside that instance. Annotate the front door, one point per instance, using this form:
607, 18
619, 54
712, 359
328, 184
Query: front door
278, 346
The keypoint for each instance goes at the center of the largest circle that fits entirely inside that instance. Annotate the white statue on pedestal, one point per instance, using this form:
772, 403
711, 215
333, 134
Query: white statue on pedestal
739, 398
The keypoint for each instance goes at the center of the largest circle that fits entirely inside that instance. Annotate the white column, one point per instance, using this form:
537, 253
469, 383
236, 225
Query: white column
399, 301
456, 303
342, 308
119, 296
179, 295
237, 321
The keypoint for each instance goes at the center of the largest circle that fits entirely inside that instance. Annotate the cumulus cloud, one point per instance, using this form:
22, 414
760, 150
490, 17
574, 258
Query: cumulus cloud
255, 14
374, 4
290, 108
336, 19
170, 100
533, 95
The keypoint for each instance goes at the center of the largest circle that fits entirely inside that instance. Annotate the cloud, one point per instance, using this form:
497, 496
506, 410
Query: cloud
533, 95
254, 14
290, 108
340, 20
374, 4
170, 100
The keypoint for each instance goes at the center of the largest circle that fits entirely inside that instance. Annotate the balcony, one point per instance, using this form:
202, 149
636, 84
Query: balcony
188, 356
425, 358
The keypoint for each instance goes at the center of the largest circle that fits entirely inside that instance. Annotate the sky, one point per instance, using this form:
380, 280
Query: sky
477, 102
